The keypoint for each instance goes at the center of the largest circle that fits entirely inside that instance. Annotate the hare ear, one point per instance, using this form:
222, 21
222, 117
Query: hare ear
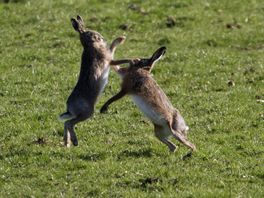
158, 54
80, 19
75, 24
155, 57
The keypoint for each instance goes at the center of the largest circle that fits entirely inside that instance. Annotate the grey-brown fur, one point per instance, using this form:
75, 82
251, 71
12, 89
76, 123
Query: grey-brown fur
93, 77
150, 98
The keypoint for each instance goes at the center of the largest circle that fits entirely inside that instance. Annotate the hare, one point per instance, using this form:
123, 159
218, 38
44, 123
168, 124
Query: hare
93, 77
150, 99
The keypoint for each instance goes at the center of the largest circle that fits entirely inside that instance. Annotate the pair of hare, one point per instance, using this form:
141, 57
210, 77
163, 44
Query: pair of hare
137, 82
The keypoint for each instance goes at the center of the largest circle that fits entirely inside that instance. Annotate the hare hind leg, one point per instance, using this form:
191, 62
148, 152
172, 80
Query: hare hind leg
179, 130
159, 133
69, 134
180, 137
66, 135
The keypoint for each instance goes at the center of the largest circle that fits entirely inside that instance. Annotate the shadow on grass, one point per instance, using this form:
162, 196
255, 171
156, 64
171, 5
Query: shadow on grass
40, 141
93, 193
144, 184
150, 183
135, 154
13, 1
93, 157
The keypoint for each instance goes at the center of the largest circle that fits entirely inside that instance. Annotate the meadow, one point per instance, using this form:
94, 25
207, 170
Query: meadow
213, 72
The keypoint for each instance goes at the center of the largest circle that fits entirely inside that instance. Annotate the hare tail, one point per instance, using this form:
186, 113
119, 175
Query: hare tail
65, 116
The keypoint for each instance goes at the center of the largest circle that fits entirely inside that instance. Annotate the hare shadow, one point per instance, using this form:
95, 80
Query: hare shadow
146, 153
93, 157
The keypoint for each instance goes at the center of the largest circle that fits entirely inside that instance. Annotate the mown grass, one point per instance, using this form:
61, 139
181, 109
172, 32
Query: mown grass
212, 72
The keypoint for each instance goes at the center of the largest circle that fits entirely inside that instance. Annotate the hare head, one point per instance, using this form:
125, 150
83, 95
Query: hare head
145, 64
148, 63
87, 37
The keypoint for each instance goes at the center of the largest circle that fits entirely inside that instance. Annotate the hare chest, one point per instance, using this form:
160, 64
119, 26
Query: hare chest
104, 79
149, 111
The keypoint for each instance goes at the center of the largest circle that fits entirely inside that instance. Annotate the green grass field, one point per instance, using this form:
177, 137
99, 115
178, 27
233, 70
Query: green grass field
213, 72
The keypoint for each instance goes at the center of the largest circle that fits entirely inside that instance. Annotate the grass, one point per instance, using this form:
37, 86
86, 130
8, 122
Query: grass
213, 73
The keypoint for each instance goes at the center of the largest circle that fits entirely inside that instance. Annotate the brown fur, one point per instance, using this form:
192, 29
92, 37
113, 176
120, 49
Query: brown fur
138, 82
93, 77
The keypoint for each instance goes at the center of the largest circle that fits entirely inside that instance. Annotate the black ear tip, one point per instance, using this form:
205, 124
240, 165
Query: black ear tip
74, 24
163, 49
78, 16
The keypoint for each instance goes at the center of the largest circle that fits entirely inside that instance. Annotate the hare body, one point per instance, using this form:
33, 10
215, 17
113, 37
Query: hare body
92, 80
151, 100
155, 116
